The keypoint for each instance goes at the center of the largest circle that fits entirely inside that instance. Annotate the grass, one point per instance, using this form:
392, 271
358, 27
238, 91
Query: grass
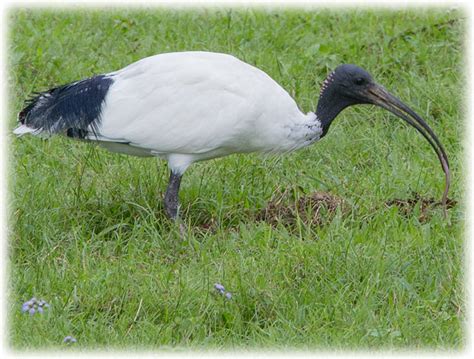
87, 230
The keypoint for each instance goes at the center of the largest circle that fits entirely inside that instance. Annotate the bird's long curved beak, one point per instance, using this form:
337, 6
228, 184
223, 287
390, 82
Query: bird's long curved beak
377, 95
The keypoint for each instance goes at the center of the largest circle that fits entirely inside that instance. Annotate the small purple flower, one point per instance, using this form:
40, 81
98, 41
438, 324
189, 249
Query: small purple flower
33, 306
219, 287
69, 339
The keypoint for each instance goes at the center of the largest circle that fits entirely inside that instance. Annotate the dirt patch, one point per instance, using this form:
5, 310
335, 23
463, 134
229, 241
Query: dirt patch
427, 205
317, 208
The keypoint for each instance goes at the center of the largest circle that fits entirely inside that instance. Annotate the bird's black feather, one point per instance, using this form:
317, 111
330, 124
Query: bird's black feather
71, 109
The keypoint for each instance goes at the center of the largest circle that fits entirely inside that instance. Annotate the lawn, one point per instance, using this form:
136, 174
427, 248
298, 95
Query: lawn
380, 269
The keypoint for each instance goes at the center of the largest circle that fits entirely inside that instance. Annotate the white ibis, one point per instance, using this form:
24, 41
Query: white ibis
191, 106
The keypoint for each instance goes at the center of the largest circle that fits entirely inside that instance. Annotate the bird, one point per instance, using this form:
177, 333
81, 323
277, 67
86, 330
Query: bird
191, 106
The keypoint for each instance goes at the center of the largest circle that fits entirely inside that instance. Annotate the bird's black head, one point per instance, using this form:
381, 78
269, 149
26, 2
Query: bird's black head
347, 85
351, 85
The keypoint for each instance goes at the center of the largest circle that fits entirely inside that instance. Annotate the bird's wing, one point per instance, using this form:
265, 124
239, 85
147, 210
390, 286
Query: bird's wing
187, 102
182, 103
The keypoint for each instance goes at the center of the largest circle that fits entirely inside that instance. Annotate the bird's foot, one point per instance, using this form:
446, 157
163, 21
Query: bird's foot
182, 230
171, 210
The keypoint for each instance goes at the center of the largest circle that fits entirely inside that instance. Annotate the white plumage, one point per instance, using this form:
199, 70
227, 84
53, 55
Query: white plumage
191, 106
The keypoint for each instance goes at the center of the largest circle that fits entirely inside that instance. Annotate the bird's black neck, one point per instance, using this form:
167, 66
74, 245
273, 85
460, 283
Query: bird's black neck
330, 104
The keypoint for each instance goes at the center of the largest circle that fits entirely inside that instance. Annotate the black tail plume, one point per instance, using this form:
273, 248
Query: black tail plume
72, 109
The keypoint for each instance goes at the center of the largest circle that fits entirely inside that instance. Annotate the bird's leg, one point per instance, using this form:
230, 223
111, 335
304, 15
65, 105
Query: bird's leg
171, 196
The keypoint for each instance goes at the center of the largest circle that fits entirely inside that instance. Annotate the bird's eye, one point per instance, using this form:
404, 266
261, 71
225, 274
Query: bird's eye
359, 81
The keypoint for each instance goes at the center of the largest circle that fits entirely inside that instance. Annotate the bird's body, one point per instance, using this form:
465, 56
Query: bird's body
190, 106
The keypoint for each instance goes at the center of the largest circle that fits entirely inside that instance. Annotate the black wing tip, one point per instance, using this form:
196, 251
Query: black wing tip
75, 106
31, 102
23, 114
76, 133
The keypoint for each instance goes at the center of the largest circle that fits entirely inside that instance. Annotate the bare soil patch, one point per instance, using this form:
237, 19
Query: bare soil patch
316, 208
427, 205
